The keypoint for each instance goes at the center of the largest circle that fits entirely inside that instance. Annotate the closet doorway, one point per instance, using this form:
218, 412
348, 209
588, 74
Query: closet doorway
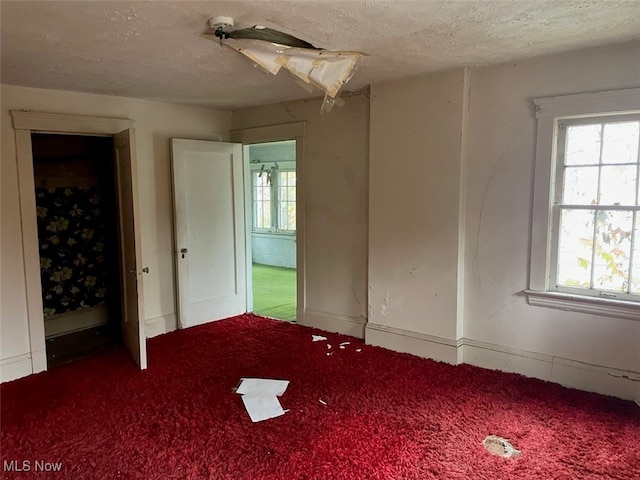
121, 131
77, 226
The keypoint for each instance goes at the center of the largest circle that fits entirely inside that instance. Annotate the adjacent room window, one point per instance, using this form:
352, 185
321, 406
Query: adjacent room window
286, 201
261, 201
596, 213
585, 236
274, 199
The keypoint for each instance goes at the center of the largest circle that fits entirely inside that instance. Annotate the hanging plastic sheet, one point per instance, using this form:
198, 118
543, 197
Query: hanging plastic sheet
326, 70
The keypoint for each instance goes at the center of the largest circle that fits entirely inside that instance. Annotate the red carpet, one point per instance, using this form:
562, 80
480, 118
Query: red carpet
388, 415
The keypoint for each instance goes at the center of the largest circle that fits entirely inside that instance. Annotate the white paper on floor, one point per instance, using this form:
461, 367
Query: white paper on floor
260, 397
262, 407
317, 338
262, 386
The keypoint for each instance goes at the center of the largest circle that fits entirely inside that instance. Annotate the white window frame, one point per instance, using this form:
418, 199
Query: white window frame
255, 167
549, 111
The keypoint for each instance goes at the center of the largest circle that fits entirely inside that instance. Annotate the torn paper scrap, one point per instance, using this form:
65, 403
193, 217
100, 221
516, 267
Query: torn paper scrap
262, 386
344, 343
322, 402
358, 350
317, 338
262, 407
500, 446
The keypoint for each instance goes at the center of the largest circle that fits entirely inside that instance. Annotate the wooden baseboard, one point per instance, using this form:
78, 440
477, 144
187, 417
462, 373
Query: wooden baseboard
571, 373
421, 345
16, 367
160, 325
331, 322
567, 372
75, 321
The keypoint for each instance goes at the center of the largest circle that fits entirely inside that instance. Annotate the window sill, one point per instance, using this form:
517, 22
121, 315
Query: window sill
282, 235
583, 304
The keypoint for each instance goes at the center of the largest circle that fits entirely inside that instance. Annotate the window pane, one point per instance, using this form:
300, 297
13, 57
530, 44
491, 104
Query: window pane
618, 185
620, 142
261, 200
583, 145
613, 247
580, 185
287, 200
575, 248
288, 216
635, 274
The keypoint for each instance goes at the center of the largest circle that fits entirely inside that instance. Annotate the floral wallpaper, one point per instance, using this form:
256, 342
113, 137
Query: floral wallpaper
74, 259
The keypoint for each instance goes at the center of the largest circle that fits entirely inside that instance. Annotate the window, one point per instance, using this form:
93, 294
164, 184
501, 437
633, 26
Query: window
595, 212
585, 245
274, 198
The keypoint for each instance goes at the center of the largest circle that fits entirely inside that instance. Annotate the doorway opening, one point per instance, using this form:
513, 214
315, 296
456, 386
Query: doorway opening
77, 226
272, 252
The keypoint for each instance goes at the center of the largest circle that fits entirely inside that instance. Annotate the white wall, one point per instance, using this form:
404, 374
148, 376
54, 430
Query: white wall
155, 124
415, 151
273, 249
431, 149
500, 161
335, 183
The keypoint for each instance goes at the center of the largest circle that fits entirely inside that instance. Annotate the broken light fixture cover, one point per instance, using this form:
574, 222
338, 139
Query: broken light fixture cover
272, 50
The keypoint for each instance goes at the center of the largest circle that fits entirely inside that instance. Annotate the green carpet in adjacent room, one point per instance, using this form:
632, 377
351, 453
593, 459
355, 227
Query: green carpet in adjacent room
274, 292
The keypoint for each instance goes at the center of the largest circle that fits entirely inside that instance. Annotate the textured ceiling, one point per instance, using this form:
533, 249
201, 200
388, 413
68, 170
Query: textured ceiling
151, 49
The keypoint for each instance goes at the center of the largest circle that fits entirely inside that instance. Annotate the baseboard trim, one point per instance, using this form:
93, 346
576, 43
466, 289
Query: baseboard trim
15, 367
39, 361
160, 325
571, 373
74, 321
332, 322
421, 345
565, 371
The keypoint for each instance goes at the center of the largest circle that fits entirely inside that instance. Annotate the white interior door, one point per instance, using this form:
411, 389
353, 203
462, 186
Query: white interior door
209, 230
132, 323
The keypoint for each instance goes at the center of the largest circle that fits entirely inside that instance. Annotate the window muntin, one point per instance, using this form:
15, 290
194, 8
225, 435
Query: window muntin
596, 213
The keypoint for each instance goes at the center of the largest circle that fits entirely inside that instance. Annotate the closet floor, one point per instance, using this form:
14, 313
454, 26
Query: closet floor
73, 346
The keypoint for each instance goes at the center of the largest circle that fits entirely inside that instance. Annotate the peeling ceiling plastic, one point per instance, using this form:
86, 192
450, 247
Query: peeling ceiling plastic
311, 67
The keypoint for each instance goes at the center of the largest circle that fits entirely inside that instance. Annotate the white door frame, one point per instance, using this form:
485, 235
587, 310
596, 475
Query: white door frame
274, 133
25, 123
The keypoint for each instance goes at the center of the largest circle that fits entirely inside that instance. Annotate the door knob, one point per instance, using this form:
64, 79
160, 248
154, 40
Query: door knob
183, 251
